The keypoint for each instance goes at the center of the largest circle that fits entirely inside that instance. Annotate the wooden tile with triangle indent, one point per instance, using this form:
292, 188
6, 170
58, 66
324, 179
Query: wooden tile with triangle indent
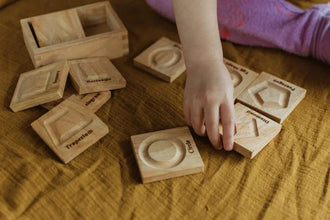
164, 59
166, 154
95, 75
253, 131
69, 129
40, 86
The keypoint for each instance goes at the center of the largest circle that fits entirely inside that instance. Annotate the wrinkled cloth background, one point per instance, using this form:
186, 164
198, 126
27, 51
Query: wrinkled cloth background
288, 179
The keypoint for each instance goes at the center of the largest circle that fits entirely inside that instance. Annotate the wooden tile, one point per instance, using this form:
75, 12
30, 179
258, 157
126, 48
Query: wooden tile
241, 76
57, 27
69, 129
95, 75
272, 96
92, 101
163, 59
40, 86
253, 131
166, 154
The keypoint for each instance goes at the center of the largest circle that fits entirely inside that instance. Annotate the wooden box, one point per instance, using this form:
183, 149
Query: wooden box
86, 31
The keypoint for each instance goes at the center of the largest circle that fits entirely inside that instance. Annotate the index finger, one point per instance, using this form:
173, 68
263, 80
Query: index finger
228, 124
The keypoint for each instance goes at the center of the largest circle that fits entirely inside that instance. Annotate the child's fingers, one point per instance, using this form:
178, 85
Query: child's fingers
212, 124
228, 125
197, 119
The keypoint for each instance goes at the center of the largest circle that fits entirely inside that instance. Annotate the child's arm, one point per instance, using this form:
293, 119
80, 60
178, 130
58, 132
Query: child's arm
209, 89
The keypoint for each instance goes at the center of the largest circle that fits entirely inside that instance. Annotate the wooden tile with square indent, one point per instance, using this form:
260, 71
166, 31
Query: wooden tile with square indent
272, 96
92, 101
57, 27
166, 154
95, 75
253, 131
69, 129
40, 86
241, 76
163, 59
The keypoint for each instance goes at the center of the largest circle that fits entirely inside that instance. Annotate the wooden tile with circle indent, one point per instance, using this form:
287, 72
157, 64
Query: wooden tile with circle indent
40, 86
92, 101
95, 75
69, 129
166, 154
253, 131
272, 96
241, 76
163, 59
57, 27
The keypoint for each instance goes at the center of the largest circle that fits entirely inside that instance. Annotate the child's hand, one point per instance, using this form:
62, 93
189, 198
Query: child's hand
208, 99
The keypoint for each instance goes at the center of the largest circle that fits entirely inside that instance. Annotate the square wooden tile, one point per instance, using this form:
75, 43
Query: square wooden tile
69, 129
272, 96
57, 27
253, 131
95, 75
40, 86
92, 101
163, 59
242, 77
166, 154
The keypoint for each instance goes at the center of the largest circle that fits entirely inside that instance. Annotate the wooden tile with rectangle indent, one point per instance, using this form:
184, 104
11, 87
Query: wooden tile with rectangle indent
163, 59
95, 75
166, 154
92, 101
69, 129
272, 96
253, 131
40, 86
241, 76
57, 27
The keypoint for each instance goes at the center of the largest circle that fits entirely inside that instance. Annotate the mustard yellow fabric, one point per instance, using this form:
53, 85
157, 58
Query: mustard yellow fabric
289, 179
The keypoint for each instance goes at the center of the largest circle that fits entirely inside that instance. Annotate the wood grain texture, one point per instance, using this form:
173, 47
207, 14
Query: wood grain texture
57, 27
95, 75
40, 86
272, 96
92, 101
69, 129
166, 154
242, 77
253, 131
164, 59
105, 36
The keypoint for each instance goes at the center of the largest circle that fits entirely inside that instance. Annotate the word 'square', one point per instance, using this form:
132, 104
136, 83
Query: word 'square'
166, 154
40, 86
95, 75
164, 59
241, 76
253, 131
272, 96
69, 129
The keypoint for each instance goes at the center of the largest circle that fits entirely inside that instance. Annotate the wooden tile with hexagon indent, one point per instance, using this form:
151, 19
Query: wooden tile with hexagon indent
92, 101
95, 75
57, 27
69, 129
40, 86
272, 96
164, 59
242, 77
166, 154
253, 131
